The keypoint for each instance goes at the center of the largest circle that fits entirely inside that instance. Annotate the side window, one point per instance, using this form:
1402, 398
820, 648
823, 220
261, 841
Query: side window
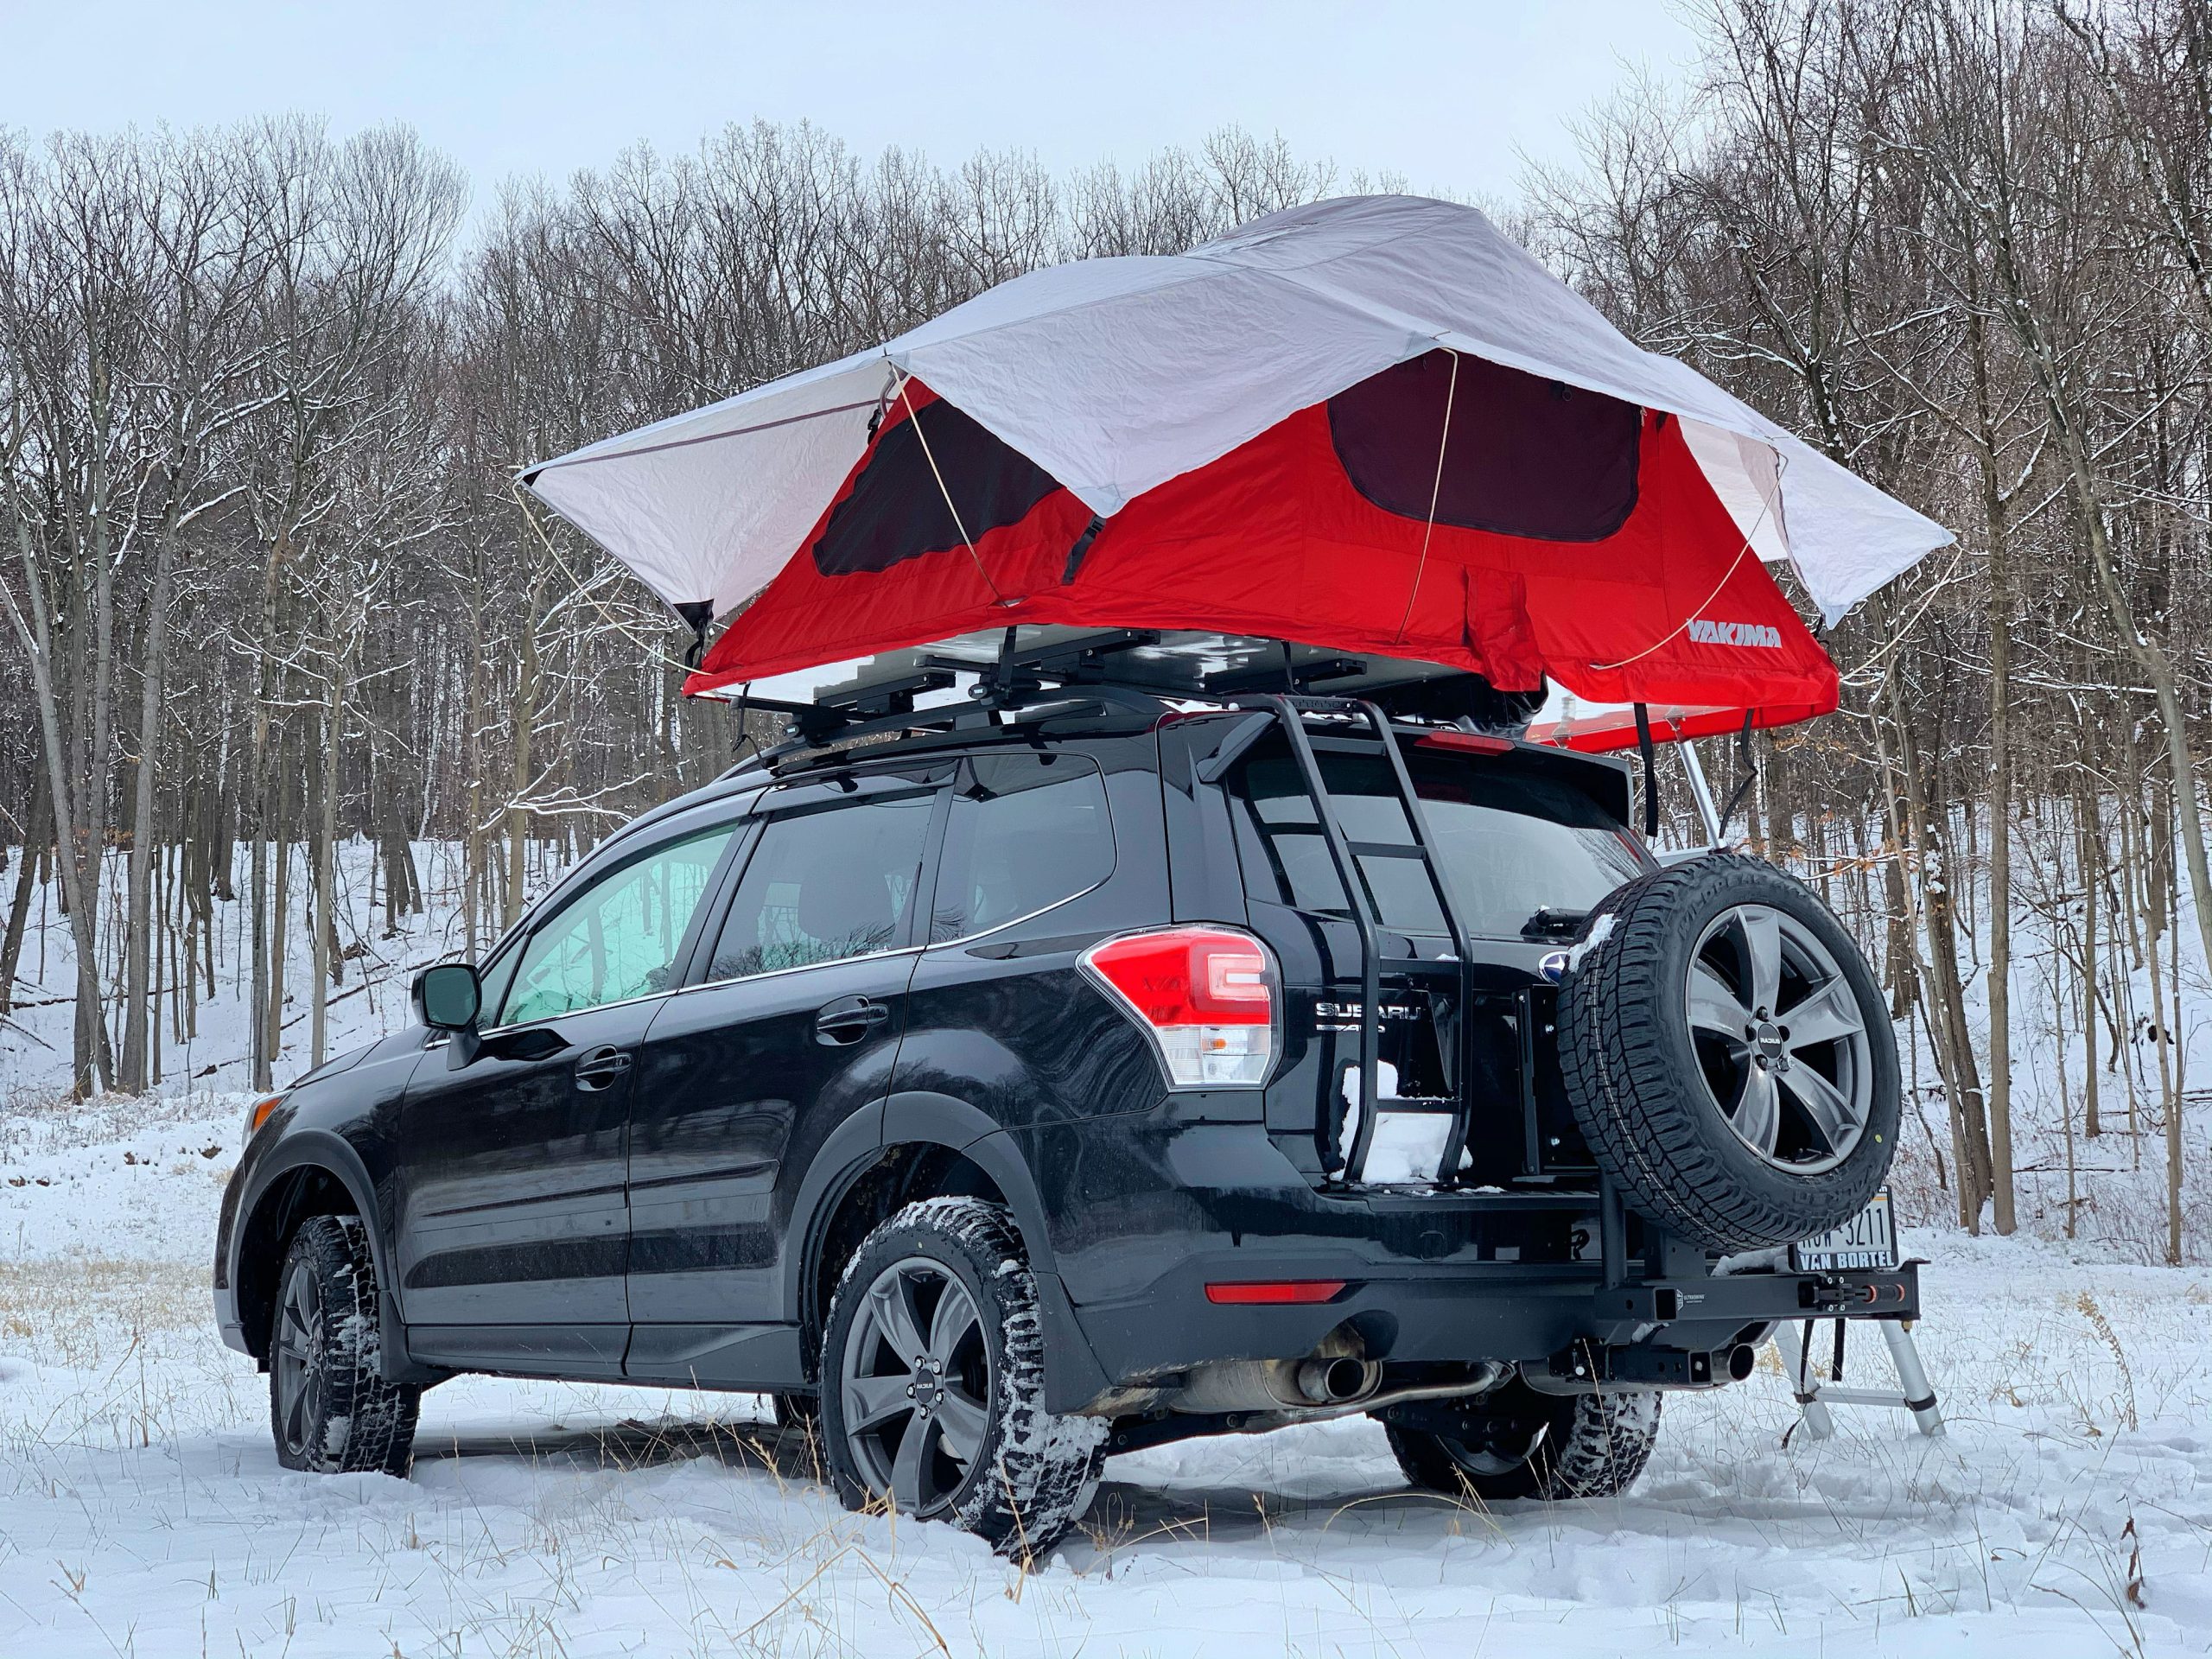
1025, 832
498, 976
824, 885
619, 937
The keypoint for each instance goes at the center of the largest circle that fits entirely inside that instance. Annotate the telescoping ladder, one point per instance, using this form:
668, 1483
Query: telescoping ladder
1816, 1395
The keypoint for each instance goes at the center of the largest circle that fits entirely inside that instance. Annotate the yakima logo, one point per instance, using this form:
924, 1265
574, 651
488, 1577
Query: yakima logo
1705, 632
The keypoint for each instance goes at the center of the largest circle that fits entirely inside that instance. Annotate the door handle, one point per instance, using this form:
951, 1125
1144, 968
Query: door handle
849, 1019
601, 1066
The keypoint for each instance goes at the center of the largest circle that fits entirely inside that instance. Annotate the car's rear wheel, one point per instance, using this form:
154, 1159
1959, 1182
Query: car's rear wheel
330, 1411
1728, 1055
1518, 1443
933, 1380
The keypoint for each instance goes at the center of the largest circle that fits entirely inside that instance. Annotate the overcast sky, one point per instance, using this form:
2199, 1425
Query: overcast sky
1449, 95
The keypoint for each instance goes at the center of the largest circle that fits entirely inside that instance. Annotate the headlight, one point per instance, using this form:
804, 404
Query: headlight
256, 1114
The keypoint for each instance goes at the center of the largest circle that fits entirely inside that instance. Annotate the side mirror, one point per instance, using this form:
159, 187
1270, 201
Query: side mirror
449, 997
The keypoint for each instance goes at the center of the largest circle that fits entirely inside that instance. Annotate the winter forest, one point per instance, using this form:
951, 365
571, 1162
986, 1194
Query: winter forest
276, 613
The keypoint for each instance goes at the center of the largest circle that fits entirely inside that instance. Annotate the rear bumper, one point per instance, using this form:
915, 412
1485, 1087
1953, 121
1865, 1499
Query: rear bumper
1526, 1315
1428, 1276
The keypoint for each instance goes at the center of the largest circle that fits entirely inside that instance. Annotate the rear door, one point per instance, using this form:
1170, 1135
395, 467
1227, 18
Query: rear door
793, 1026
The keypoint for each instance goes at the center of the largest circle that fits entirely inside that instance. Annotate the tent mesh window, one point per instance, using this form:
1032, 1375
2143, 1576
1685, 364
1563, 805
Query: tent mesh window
1525, 456
896, 510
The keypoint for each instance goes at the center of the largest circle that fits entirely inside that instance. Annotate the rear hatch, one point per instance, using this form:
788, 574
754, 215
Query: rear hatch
1512, 847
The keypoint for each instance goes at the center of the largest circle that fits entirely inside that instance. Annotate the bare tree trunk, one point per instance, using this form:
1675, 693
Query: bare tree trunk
36, 828
325, 854
263, 1054
2089, 838
1999, 614
279, 904
524, 716
138, 933
89, 1063
1962, 1077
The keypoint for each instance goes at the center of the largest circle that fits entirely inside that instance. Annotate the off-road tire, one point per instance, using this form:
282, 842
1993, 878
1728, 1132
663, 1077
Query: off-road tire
1036, 1472
1593, 1445
349, 1420
1631, 1074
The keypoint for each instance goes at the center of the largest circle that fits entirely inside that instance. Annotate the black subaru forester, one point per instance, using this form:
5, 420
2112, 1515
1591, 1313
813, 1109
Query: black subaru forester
1088, 1064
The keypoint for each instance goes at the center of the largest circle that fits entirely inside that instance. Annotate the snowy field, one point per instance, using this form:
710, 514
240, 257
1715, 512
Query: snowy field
2068, 1512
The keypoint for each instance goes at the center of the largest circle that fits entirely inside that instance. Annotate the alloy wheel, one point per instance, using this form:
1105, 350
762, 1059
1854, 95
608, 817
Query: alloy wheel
915, 1385
299, 1337
1780, 1040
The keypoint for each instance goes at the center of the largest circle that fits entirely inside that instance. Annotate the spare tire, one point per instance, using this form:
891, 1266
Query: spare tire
1728, 1055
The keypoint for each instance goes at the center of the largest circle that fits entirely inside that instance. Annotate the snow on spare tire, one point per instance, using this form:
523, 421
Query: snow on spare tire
1728, 1055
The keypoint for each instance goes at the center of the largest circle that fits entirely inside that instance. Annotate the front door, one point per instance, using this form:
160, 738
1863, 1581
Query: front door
794, 1026
514, 1228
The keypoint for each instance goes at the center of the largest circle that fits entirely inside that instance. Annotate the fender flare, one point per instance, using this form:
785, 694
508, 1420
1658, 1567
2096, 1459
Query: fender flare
1073, 1375
322, 1149
847, 1150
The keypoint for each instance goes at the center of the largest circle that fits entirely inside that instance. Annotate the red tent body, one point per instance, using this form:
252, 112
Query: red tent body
1448, 509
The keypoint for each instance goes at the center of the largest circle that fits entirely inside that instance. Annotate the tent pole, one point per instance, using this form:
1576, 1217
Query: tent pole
1693, 769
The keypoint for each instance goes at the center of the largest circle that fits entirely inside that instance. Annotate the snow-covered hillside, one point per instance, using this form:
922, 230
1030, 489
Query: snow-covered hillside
212, 1052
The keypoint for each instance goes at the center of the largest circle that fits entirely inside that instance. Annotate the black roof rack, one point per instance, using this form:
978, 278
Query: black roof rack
1024, 675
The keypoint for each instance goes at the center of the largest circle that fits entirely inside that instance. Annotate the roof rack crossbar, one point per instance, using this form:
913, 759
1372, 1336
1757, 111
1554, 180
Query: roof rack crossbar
1270, 677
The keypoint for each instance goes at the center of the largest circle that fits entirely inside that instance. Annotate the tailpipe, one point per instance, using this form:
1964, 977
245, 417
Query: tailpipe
1337, 1382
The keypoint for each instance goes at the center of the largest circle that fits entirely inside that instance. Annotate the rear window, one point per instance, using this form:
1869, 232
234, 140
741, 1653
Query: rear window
825, 887
1026, 832
1510, 846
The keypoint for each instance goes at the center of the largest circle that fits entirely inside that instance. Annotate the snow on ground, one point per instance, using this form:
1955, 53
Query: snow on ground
2068, 1512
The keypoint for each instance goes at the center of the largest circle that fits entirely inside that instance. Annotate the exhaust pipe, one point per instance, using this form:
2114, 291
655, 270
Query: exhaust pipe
1742, 1360
1337, 1382
1272, 1391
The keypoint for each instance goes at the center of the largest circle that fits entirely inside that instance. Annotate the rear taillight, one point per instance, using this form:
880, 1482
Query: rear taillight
1206, 994
1275, 1293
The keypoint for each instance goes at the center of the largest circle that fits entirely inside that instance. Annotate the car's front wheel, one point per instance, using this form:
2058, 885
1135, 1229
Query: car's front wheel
1517, 1443
329, 1409
933, 1381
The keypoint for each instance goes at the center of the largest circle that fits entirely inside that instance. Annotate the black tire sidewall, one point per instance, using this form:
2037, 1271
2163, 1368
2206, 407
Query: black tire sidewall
1637, 1087
1593, 1445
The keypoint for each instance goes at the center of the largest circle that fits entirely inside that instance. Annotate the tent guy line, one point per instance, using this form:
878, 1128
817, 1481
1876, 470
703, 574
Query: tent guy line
1435, 492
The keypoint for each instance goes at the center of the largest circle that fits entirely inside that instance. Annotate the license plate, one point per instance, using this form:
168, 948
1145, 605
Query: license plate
1868, 1241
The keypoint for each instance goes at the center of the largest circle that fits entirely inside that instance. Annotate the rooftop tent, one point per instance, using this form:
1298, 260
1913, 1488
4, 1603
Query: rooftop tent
1372, 425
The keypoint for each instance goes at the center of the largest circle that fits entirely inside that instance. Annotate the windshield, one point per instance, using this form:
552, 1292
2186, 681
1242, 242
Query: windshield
1526, 857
